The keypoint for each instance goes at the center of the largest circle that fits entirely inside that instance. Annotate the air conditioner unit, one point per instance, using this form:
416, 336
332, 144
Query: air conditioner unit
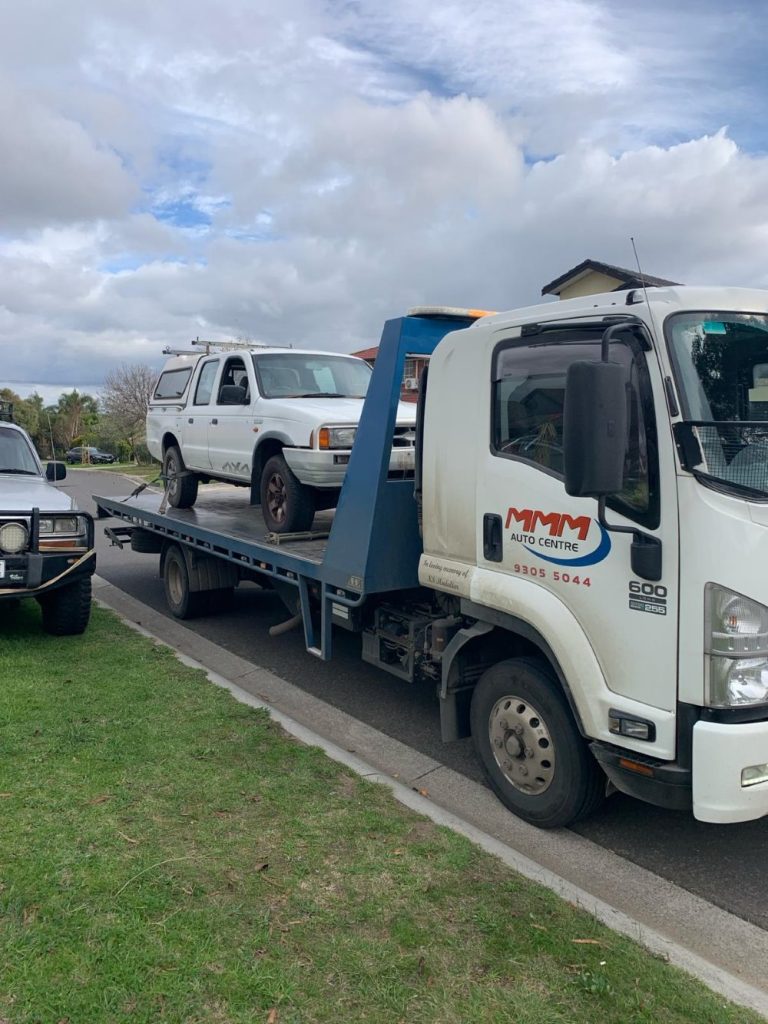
411, 383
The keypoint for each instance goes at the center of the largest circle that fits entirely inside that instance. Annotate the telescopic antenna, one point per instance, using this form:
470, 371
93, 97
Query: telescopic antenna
645, 290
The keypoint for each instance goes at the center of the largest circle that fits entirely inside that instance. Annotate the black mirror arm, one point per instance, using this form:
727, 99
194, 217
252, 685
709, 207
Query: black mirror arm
645, 553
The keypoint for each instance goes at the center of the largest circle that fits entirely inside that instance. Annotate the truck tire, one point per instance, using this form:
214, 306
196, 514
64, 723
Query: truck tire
182, 602
66, 611
145, 542
181, 485
287, 505
533, 755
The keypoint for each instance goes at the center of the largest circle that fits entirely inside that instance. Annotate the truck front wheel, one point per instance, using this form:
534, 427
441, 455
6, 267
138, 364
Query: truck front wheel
181, 485
66, 611
287, 505
533, 755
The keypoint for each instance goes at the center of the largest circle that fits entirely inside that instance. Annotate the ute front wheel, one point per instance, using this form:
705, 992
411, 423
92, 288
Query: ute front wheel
180, 484
287, 505
531, 750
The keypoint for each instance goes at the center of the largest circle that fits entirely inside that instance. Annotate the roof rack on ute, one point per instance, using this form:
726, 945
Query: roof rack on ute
6, 411
219, 346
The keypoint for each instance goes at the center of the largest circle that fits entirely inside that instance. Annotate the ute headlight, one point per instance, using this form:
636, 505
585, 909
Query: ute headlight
336, 437
736, 638
13, 538
61, 524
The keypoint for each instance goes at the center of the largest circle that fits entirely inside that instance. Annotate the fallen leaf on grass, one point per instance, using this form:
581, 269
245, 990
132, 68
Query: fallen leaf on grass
540, 928
4, 795
272, 1016
133, 842
586, 942
261, 867
101, 799
398, 853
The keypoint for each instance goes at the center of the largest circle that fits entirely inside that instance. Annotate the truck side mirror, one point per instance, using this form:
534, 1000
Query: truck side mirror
55, 471
594, 429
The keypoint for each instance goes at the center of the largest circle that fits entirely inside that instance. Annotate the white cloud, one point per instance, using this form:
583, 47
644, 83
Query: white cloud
300, 173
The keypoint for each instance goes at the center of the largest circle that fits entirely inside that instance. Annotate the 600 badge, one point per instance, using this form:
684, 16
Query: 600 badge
647, 597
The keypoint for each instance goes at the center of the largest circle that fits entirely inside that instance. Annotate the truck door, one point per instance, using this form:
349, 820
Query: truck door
197, 417
230, 434
548, 539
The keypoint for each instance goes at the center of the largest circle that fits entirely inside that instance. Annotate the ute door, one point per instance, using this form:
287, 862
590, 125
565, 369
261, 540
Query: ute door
197, 418
230, 434
542, 537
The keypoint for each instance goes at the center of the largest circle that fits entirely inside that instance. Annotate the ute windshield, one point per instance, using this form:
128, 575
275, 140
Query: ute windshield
721, 362
303, 375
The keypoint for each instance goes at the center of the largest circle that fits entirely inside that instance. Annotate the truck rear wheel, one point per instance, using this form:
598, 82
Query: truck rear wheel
66, 611
180, 484
287, 505
182, 602
533, 755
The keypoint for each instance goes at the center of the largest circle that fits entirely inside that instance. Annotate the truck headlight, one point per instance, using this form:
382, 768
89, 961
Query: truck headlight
13, 538
61, 524
736, 640
336, 437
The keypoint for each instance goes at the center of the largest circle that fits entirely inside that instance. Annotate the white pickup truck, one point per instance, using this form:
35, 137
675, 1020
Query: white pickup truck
281, 421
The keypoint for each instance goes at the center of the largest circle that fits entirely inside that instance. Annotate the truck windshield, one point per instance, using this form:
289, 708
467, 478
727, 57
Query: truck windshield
15, 454
297, 375
721, 362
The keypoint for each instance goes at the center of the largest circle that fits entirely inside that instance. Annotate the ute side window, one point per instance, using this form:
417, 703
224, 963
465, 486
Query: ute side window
528, 402
235, 373
173, 383
204, 387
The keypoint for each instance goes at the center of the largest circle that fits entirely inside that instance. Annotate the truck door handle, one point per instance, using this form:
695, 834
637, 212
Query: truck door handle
191, 419
214, 420
493, 548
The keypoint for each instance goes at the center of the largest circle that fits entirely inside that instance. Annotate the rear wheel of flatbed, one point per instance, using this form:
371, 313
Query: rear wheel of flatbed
183, 603
180, 484
533, 755
66, 611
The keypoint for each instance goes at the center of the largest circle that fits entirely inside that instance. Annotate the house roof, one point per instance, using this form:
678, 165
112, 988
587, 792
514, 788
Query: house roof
627, 278
366, 353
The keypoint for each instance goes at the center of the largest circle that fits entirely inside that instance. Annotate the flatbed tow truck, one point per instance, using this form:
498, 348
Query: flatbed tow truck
534, 566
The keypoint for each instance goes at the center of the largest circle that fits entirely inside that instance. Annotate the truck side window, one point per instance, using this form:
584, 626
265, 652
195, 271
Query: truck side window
528, 400
205, 382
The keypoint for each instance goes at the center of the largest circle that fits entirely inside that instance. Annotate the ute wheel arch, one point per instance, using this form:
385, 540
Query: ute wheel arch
265, 448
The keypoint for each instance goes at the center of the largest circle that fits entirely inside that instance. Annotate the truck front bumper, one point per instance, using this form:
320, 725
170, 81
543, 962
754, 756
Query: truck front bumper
721, 752
327, 468
29, 574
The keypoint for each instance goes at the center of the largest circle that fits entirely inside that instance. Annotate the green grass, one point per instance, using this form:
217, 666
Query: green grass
167, 854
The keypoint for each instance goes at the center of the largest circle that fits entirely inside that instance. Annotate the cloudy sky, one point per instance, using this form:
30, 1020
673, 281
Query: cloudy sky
300, 171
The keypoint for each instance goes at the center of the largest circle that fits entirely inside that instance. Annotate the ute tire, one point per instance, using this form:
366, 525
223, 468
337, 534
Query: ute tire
66, 611
146, 543
286, 504
578, 784
180, 485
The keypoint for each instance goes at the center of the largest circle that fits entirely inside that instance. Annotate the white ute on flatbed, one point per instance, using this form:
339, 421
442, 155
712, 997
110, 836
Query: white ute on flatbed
281, 421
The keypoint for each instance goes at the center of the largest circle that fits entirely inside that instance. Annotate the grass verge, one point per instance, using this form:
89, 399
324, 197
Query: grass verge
167, 854
145, 472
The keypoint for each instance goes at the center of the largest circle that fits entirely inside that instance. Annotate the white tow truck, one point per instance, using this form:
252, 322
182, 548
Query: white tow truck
580, 562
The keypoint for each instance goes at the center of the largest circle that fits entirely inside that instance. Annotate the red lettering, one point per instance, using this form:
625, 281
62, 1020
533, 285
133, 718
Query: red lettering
525, 517
551, 519
580, 523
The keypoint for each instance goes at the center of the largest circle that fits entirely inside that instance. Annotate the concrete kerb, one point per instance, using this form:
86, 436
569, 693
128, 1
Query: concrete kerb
747, 942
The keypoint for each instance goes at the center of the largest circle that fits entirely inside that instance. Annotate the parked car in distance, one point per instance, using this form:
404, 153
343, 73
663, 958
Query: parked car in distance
46, 543
87, 454
280, 421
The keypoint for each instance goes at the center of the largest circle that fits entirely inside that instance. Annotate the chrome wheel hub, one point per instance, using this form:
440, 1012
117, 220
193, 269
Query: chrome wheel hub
522, 745
276, 497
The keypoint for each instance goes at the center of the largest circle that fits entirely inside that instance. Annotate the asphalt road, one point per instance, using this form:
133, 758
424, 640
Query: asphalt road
723, 864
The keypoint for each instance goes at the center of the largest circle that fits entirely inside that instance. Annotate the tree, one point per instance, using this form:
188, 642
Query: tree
74, 416
125, 398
